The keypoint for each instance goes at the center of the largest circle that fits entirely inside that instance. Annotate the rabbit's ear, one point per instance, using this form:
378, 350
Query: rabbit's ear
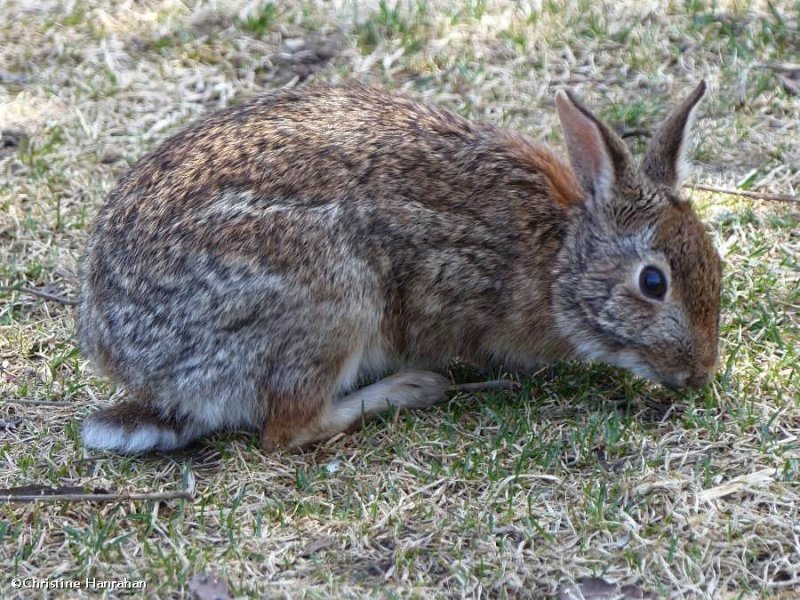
598, 156
665, 159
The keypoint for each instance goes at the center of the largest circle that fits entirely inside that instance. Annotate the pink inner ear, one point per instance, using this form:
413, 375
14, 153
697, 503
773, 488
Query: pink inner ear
587, 151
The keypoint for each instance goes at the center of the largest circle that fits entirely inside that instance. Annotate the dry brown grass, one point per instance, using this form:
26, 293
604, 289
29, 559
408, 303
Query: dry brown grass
585, 473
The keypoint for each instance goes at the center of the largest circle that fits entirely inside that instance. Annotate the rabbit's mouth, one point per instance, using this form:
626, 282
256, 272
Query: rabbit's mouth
639, 366
673, 381
677, 381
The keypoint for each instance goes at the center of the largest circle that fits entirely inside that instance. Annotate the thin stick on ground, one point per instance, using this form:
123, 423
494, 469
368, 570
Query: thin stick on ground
39, 294
121, 497
485, 386
30, 402
745, 193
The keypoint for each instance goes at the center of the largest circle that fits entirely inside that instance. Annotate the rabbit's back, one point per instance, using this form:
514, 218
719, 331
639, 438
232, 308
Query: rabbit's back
326, 144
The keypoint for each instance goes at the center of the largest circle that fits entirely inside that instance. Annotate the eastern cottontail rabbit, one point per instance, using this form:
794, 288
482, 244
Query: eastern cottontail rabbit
259, 266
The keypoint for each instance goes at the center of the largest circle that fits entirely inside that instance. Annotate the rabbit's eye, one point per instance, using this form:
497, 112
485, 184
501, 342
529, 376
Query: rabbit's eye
653, 283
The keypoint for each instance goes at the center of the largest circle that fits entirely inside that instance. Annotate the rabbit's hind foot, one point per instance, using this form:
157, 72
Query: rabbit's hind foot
403, 390
132, 427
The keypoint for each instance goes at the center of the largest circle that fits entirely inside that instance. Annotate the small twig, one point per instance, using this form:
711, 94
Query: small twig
745, 193
122, 497
39, 294
483, 386
29, 402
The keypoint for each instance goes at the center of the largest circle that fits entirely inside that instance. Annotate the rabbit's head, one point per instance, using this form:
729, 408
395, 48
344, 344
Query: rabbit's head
637, 283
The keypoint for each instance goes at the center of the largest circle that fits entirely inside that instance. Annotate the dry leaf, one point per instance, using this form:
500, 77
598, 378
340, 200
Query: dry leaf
595, 588
316, 545
761, 478
12, 78
204, 586
10, 424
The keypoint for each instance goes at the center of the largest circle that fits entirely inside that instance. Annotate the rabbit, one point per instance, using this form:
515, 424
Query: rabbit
301, 262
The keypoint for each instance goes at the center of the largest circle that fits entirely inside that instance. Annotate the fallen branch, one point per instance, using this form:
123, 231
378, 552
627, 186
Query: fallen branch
745, 193
39, 294
121, 497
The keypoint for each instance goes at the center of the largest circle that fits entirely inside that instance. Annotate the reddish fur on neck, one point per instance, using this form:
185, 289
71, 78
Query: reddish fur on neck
560, 179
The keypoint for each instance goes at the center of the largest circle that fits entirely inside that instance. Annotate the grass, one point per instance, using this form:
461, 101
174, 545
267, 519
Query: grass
586, 472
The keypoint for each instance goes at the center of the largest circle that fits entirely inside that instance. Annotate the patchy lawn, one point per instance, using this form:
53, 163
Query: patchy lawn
585, 473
